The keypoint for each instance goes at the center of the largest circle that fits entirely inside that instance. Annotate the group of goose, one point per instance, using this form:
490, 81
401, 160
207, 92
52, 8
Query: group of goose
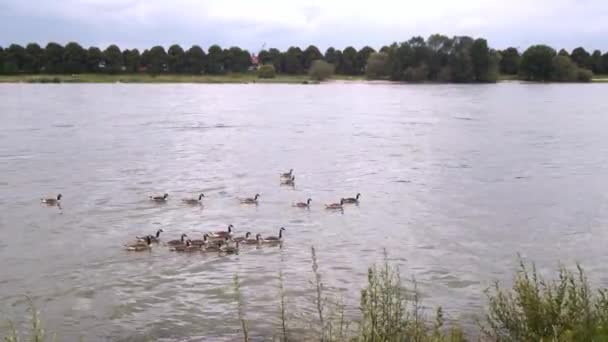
220, 241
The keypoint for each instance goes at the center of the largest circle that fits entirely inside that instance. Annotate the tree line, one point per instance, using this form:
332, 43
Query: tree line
438, 58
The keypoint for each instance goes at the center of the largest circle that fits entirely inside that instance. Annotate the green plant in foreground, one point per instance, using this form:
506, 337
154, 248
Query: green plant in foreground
390, 314
36, 332
319, 293
282, 309
539, 310
241, 307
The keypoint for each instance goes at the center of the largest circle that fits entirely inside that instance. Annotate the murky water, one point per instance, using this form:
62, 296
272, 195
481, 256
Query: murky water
455, 180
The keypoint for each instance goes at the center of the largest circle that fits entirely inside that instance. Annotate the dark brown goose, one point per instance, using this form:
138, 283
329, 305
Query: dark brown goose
194, 201
303, 204
335, 206
177, 242
352, 200
51, 201
162, 198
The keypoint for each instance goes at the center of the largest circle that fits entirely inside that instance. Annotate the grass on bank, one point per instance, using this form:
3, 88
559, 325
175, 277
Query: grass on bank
534, 309
176, 78
163, 78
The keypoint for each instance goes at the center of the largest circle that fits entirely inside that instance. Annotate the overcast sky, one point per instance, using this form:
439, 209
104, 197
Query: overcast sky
281, 23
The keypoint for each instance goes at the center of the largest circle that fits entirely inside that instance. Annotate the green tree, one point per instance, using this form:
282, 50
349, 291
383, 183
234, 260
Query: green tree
399, 59
276, 58
309, 55
266, 71
564, 69
509, 63
596, 62
362, 58
584, 75
264, 57
480, 57
460, 63
581, 57
377, 65
605, 62
485, 61
333, 56
113, 59
293, 61
94, 57
563, 52
418, 73
132, 60
176, 59
74, 58
320, 70
215, 60
1, 60
439, 49
195, 60
34, 58
420, 52
14, 59
144, 59
349, 61
537, 63
53, 58
157, 60
236, 59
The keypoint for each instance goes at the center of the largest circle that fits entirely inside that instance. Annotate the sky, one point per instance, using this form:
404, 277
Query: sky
252, 24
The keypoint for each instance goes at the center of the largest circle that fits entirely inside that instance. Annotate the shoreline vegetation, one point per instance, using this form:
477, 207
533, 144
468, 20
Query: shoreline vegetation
563, 308
436, 59
235, 78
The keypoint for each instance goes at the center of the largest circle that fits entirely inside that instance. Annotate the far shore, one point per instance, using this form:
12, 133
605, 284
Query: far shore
229, 78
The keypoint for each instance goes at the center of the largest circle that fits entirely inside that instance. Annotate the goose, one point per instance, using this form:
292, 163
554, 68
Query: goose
289, 181
222, 233
213, 247
177, 242
256, 241
287, 174
194, 201
338, 206
188, 247
51, 201
230, 249
154, 238
199, 242
303, 204
162, 198
140, 245
242, 238
352, 199
274, 239
250, 200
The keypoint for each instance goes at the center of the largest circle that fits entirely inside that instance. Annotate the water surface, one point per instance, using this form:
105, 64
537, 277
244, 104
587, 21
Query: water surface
455, 180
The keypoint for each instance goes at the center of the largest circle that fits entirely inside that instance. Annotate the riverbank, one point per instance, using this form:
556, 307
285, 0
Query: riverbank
173, 78
165, 78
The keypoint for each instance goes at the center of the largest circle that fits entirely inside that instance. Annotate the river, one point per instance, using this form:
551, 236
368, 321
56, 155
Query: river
455, 180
